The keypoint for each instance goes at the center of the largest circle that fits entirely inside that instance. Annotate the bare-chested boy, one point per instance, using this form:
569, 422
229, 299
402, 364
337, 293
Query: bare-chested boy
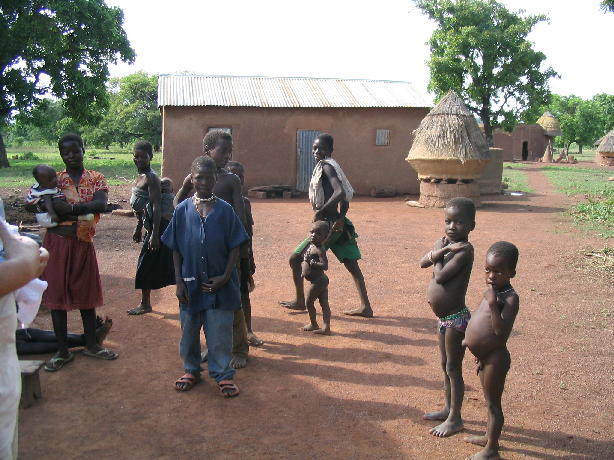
330, 193
218, 145
452, 258
314, 264
486, 338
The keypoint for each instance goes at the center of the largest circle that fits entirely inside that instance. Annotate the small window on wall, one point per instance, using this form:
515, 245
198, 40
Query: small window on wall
382, 137
226, 130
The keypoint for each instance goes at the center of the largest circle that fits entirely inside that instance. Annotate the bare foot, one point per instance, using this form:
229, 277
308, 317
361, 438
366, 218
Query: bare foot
361, 311
310, 327
292, 305
437, 415
486, 454
447, 428
325, 331
478, 440
103, 330
140, 310
253, 340
238, 362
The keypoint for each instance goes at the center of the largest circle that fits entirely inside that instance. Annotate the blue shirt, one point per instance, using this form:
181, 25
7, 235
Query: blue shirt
204, 245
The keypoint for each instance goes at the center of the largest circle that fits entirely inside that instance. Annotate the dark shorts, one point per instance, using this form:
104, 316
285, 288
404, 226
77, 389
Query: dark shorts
72, 274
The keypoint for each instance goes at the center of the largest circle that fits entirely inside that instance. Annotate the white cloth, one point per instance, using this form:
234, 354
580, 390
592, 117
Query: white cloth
10, 379
29, 299
34, 191
316, 191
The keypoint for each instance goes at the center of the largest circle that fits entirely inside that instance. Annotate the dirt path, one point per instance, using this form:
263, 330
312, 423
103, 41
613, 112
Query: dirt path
361, 392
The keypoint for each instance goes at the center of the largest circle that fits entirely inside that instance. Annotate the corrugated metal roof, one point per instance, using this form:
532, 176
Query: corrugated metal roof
211, 90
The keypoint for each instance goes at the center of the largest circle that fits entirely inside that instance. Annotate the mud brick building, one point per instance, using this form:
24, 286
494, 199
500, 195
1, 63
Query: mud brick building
273, 122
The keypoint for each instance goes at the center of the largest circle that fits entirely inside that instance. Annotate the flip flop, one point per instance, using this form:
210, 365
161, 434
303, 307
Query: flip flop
57, 362
103, 353
189, 382
228, 388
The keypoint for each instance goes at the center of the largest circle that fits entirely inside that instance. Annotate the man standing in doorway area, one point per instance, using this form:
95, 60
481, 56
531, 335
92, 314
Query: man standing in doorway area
330, 193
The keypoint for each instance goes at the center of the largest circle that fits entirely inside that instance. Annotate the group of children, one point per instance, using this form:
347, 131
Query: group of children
485, 333
210, 260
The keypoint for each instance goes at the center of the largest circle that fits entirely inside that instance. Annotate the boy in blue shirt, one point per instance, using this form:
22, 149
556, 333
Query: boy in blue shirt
205, 235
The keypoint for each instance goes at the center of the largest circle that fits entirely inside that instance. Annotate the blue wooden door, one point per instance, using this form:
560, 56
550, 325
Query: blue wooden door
305, 162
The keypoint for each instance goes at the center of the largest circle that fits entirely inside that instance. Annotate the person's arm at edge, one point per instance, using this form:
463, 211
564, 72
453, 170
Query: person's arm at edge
184, 191
181, 290
24, 260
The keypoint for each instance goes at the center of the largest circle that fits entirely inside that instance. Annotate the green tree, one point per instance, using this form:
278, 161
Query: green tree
132, 114
607, 6
58, 47
605, 105
582, 121
480, 50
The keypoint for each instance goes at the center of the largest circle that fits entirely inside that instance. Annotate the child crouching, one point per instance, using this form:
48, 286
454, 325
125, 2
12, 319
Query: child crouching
205, 235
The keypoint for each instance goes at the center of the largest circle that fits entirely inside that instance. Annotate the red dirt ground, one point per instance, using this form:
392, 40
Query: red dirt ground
359, 393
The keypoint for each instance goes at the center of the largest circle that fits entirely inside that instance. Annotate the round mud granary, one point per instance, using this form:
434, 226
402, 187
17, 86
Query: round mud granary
448, 153
605, 152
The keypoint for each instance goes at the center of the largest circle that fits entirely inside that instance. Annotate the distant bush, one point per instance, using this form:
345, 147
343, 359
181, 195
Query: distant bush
28, 156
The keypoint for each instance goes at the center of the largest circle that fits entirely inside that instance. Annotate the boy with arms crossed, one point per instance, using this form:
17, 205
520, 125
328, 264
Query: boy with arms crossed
452, 258
205, 235
486, 338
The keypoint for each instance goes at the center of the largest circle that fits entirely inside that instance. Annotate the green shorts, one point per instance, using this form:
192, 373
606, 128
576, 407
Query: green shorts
343, 243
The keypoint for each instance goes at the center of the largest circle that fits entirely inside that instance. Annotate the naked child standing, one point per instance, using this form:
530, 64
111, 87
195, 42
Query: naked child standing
486, 337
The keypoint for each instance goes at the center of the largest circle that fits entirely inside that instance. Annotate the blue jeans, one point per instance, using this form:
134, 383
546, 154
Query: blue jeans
217, 325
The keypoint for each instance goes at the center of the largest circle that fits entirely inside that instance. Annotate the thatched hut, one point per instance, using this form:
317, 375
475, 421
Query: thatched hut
605, 151
448, 152
552, 128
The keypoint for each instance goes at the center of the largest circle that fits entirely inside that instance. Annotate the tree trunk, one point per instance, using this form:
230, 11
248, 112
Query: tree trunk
579, 149
4, 160
485, 116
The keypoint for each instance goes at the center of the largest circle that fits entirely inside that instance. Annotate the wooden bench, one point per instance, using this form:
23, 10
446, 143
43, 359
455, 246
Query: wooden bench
30, 383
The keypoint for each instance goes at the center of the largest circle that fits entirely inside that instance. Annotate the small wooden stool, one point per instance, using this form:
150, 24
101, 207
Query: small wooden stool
30, 383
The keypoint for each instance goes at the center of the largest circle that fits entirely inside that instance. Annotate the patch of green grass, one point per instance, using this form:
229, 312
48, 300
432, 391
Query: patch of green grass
512, 165
580, 181
116, 165
516, 180
597, 212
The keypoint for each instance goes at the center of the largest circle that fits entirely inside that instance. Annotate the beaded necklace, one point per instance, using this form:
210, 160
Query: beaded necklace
197, 200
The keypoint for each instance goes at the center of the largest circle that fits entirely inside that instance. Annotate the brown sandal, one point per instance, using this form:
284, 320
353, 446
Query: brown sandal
186, 382
228, 388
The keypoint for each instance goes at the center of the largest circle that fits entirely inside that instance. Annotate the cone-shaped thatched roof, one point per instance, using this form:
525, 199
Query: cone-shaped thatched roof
449, 131
551, 125
607, 143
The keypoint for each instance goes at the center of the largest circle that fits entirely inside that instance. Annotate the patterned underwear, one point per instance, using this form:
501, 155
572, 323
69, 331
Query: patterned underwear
456, 321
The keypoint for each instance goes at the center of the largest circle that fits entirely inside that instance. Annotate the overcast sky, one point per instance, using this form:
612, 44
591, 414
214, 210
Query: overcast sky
371, 39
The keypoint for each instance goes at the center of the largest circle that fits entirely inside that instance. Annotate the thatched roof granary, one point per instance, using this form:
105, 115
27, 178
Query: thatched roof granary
605, 151
551, 125
448, 143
